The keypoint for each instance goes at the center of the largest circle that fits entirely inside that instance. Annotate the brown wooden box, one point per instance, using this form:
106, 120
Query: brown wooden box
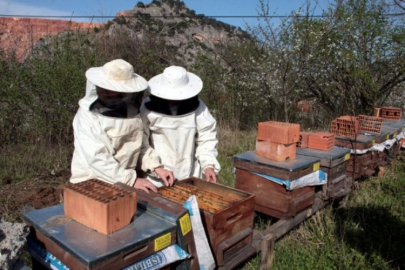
227, 215
361, 165
338, 187
101, 206
274, 199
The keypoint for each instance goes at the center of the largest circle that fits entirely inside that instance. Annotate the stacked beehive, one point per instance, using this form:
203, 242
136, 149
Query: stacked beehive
277, 140
101, 206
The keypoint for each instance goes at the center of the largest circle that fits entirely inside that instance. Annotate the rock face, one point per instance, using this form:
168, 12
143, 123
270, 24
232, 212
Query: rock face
18, 35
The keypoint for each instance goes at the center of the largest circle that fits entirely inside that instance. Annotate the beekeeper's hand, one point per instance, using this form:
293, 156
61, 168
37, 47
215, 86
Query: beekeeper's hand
166, 176
210, 175
145, 185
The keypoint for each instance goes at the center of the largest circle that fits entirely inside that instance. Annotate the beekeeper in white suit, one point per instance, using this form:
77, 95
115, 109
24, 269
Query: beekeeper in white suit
182, 130
109, 137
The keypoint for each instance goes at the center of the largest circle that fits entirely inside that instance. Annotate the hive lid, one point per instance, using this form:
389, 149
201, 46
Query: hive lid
288, 165
89, 246
332, 154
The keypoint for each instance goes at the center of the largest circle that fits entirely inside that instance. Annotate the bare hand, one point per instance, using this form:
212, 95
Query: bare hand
210, 175
145, 185
166, 176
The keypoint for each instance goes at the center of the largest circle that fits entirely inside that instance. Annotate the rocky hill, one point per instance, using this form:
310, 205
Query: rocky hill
180, 27
182, 30
19, 35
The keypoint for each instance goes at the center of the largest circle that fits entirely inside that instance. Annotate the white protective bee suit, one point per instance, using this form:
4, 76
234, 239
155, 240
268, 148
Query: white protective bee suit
110, 148
186, 143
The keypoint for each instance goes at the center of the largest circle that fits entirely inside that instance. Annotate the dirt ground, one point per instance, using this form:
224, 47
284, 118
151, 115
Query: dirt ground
39, 192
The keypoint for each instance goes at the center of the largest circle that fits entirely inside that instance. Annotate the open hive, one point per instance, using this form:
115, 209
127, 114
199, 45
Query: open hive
208, 201
226, 213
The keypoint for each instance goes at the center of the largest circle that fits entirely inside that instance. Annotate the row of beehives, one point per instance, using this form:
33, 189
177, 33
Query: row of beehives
281, 179
288, 167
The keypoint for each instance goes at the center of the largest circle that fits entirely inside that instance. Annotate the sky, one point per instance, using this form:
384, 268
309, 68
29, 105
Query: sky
111, 7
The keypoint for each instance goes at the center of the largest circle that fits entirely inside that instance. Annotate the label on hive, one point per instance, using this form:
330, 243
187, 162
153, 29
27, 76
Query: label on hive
185, 224
316, 167
163, 241
347, 156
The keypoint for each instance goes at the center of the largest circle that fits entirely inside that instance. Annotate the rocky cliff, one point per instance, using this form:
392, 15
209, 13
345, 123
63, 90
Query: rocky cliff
19, 35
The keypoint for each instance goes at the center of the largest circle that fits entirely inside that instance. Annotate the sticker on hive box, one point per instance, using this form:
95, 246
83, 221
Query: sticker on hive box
160, 259
313, 179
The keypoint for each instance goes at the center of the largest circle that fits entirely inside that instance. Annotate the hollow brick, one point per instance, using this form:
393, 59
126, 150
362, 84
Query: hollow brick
276, 151
278, 132
101, 206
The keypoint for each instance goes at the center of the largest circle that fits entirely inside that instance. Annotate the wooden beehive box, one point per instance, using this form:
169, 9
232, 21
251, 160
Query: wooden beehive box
272, 198
361, 165
334, 162
101, 206
227, 215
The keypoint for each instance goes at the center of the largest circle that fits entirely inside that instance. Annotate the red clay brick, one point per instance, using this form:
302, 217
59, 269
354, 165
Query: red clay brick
321, 140
346, 126
303, 142
276, 151
391, 113
377, 112
370, 124
101, 206
278, 132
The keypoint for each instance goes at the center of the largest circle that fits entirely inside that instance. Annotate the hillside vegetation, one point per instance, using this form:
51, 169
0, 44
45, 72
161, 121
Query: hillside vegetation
302, 69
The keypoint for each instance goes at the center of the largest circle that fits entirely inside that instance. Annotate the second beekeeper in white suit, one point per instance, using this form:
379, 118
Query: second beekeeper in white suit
182, 130
110, 143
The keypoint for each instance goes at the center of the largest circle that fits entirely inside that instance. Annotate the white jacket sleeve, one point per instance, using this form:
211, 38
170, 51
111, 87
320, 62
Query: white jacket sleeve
206, 143
148, 158
94, 152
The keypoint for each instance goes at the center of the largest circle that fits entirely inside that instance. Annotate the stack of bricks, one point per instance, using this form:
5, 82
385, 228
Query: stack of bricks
101, 206
277, 140
346, 126
391, 113
370, 124
321, 140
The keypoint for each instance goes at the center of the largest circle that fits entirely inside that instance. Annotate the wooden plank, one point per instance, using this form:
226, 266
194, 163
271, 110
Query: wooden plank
267, 249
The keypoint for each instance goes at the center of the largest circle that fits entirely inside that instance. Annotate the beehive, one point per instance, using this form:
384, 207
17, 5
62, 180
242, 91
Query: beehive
227, 215
101, 206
